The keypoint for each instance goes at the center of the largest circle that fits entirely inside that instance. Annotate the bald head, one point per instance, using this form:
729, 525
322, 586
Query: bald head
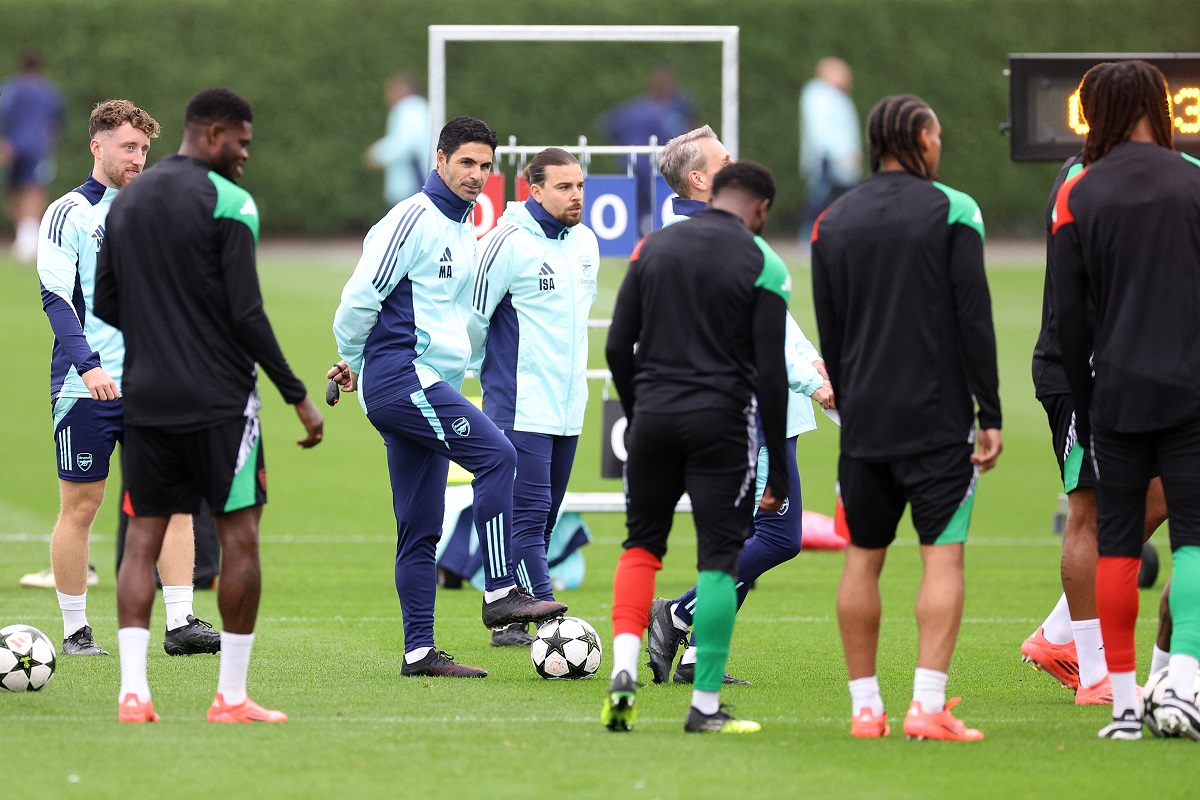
836, 73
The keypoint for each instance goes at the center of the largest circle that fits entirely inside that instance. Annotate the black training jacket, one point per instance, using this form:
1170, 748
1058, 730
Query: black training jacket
1127, 240
176, 273
905, 316
705, 301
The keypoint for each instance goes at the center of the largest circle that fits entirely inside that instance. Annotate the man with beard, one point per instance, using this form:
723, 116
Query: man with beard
403, 337
177, 275
85, 385
534, 286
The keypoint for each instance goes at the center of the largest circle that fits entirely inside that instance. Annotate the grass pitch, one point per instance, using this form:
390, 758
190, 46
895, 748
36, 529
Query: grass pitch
329, 634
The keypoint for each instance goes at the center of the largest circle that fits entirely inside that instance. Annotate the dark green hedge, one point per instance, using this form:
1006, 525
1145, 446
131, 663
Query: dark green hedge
314, 70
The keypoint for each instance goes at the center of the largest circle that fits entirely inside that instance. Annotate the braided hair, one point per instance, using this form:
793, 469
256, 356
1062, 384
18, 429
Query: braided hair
1121, 93
894, 127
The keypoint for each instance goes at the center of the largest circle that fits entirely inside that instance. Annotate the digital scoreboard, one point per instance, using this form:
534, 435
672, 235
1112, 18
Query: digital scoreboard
1045, 119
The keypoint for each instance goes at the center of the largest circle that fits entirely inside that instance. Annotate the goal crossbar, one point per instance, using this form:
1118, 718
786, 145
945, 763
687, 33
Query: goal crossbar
726, 35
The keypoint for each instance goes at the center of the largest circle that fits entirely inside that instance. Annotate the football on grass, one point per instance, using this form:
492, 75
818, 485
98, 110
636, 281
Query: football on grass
566, 647
27, 659
1152, 697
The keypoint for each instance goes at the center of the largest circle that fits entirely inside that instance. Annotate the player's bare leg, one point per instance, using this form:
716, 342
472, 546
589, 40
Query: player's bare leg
69, 542
939, 615
939, 605
185, 634
135, 597
237, 596
859, 608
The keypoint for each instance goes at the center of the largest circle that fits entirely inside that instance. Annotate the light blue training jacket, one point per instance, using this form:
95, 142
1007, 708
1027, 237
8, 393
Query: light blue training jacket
71, 232
534, 287
402, 322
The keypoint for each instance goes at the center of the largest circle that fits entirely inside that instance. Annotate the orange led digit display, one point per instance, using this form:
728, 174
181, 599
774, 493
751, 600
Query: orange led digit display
1075, 115
1187, 109
1046, 120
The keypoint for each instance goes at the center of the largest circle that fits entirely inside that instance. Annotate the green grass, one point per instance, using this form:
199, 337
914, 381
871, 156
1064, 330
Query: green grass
329, 643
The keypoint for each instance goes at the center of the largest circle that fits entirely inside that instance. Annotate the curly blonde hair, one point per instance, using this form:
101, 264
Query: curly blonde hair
112, 114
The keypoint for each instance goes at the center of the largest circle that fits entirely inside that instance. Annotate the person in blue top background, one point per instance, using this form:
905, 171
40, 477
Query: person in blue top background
689, 163
403, 152
402, 334
534, 287
31, 118
665, 112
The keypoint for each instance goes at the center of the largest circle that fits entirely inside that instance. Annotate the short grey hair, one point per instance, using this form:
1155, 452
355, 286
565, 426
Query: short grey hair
682, 155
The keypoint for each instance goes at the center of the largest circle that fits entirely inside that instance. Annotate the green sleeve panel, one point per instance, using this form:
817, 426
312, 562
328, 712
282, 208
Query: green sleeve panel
774, 276
1078, 168
234, 202
963, 209
1195, 161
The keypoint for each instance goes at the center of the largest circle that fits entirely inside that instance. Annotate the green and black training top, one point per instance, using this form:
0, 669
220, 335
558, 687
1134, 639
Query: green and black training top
177, 275
705, 301
905, 316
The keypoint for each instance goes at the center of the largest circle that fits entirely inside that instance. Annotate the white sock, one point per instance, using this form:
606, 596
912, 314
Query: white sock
1090, 647
26, 242
864, 693
132, 644
627, 647
178, 600
1182, 675
1160, 660
689, 655
1057, 627
235, 663
413, 656
706, 702
676, 621
929, 689
496, 594
74, 611
1125, 694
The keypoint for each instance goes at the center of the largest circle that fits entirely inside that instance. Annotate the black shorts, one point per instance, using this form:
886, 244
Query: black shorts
1126, 463
168, 471
1074, 465
713, 455
940, 487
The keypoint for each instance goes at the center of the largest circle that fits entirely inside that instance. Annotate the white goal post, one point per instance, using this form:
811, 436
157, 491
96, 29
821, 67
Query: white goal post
726, 35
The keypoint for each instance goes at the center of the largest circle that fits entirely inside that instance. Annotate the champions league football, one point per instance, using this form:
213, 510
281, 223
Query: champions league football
566, 648
27, 659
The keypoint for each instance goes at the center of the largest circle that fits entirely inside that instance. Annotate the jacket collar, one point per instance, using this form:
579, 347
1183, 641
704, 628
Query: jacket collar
447, 202
93, 190
686, 208
550, 226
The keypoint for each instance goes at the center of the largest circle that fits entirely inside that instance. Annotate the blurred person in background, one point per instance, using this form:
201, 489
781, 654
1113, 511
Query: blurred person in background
403, 152
31, 118
664, 112
830, 140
